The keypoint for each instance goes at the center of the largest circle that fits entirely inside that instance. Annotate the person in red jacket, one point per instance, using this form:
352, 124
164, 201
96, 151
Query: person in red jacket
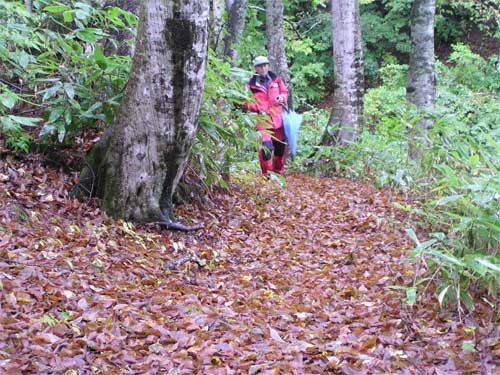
270, 93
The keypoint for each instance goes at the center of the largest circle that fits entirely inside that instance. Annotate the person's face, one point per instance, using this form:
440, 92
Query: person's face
262, 69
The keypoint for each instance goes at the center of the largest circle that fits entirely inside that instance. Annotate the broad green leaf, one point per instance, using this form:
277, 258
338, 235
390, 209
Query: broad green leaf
70, 90
81, 14
88, 112
474, 160
411, 233
28, 121
411, 296
61, 131
8, 125
68, 16
442, 294
485, 262
447, 257
449, 199
55, 114
24, 59
466, 299
100, 58
47, 129
9, 99
56, 8
87, 35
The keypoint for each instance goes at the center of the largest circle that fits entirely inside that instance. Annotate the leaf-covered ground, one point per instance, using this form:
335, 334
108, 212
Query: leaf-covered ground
280, 281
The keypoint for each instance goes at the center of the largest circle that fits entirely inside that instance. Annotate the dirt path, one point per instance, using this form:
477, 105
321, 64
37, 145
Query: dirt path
289, 281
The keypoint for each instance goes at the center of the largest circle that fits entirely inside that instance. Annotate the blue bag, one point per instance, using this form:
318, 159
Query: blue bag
292, 121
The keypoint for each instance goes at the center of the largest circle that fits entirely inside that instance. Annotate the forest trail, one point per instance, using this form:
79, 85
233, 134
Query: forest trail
286, 281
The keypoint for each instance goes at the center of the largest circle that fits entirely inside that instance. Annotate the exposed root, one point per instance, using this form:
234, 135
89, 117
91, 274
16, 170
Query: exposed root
174, 225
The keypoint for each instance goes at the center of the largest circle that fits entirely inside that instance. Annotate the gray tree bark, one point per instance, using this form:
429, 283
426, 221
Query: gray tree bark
276, 43
29, 5
236, 13
421, 88
137, 165
217, 8
347, 111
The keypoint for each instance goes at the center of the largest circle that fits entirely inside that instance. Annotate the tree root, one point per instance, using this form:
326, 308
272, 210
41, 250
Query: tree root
174, 225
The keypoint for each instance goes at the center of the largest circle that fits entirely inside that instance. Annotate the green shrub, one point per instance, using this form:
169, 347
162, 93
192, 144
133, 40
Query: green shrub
226, 134
473, 71
54, 61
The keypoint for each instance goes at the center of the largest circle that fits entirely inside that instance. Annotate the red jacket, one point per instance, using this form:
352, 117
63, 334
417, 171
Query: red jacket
266, 100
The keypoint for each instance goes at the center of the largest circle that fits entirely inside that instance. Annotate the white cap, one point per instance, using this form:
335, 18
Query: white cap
260, 60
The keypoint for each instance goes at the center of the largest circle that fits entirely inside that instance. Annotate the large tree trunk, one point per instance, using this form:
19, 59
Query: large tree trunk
236, 13
347, 111
421, 89
140, 160
276, 43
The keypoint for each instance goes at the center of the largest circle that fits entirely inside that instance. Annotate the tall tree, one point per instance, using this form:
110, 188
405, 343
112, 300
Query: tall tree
29, 5
347, 111
236, 13
137, 165
216, 23
421, 88
276, 43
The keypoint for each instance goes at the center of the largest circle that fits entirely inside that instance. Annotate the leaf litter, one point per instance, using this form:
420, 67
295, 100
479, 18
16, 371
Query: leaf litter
293, 280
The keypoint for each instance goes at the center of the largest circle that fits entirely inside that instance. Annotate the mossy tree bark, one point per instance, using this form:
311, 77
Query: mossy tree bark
138, 163
276, 43
347, 111
421, 88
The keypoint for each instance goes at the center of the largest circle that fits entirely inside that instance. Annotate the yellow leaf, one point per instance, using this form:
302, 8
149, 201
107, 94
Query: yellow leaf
216, 361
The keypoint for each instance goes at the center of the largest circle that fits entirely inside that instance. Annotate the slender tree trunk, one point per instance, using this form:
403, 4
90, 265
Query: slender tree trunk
236, 13
216, 24
421, 89
347, 111
29, 5
276, 43
139, 162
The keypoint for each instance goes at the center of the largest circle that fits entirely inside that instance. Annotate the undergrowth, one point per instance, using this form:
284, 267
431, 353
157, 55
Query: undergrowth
456, 182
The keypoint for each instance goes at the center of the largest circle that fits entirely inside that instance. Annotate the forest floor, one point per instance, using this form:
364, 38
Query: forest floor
295, 280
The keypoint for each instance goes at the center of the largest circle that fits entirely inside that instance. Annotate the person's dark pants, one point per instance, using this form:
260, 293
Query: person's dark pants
272, 153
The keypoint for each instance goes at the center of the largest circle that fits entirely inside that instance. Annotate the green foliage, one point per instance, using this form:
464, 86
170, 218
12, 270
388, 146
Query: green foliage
226, 134
386, 27
457, 180
308, 44
385, 31
54, 61
456, 18
473, 71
